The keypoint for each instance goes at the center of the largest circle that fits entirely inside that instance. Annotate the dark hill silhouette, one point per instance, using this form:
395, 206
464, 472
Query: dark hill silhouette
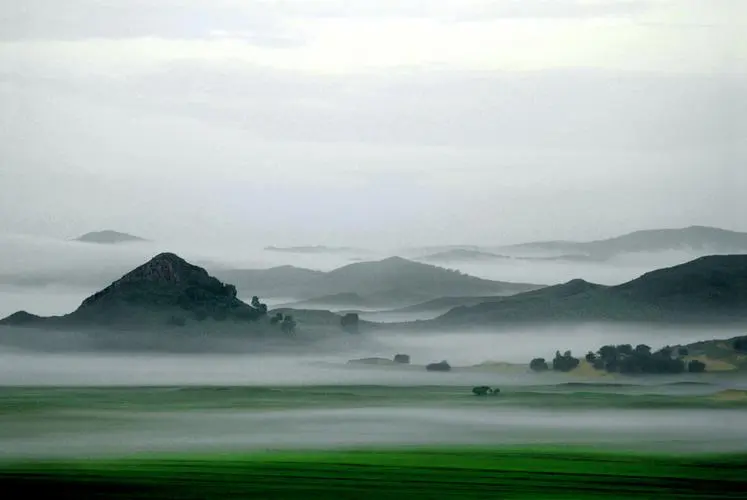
708, 289
167, 290
108, 237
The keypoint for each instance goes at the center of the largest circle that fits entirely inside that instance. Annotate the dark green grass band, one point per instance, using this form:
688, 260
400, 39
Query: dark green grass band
455, 473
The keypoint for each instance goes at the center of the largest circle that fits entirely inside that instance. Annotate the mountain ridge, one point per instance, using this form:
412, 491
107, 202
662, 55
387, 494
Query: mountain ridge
711, 288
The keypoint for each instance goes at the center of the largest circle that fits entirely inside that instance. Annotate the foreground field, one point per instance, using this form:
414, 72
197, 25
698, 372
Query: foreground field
457, 473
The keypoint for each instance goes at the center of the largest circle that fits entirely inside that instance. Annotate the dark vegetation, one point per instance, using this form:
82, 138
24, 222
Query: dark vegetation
485, 390
626, 359
349, 323
441, 366
403, 359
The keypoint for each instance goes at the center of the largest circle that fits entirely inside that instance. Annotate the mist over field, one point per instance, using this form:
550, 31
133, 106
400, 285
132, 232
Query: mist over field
355, 249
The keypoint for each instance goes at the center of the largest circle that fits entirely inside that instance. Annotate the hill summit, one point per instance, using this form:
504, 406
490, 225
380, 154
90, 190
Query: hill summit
108, 236
165, 290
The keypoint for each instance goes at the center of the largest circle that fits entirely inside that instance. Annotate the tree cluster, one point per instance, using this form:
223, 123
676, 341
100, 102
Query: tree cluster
286, 322
625, 359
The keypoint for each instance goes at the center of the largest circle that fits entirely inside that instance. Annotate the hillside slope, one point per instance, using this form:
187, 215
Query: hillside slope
396, 279
708, 289
165, 291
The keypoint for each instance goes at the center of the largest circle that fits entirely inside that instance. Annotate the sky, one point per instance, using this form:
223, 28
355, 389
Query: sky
395, 122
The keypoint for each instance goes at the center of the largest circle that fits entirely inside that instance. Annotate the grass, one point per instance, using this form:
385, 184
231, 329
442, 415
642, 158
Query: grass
30, 400
455, 473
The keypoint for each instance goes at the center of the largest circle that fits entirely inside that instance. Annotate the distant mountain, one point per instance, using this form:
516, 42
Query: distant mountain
347, 299
281, 281
313, 249
108, 237
708, 289
462, 255
701, 239
165, 291
392, 282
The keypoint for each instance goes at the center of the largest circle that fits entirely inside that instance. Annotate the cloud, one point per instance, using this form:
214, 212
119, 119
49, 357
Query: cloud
547, 110
118, 19
266, 23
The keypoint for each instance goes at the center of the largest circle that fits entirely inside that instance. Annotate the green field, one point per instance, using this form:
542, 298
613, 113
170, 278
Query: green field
456, 473
566, 440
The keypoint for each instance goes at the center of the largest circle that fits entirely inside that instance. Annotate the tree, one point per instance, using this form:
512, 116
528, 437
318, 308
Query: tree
288, 326
591, 357
443, 366
665, 351
539, 365
608, 352
564, 363
403, 359
349, 322
276, 319
625, 349
259, 306
642, 350
696, 366
740, 344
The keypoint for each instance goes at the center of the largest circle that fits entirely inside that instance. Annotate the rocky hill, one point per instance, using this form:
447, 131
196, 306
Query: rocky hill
167, 291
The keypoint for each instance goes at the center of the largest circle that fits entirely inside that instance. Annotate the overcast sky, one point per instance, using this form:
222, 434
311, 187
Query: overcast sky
387, 122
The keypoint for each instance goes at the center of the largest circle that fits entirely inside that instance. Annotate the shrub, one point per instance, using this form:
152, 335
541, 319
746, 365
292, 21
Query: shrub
539, 365
696, 366
402, 359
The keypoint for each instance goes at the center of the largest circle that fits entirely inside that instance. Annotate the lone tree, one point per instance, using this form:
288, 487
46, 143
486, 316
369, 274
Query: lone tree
259, 306
696, 366
403, 359
288, 326
349, 322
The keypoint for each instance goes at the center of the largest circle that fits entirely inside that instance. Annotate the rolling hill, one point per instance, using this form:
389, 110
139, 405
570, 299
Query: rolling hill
709, 289
462, 255
703, 239
390, 282
108, 237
